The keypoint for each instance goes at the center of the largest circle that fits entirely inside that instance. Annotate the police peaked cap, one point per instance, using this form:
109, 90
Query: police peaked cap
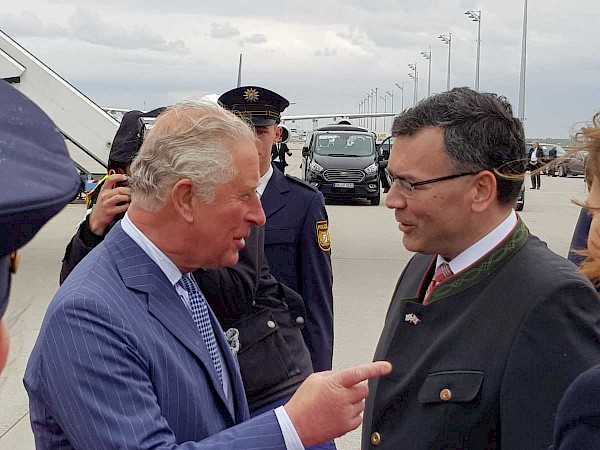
37, 176
259, 106
130, 135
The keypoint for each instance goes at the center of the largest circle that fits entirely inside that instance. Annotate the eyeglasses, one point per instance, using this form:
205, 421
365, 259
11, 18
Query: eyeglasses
408, 189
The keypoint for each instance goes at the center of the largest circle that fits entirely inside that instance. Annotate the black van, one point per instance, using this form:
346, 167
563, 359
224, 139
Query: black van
342, 162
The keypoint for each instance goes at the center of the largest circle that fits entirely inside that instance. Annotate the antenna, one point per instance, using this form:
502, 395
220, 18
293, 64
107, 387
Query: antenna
239, 81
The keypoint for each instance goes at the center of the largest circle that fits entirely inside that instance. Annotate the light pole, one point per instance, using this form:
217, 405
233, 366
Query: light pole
475, 15
447, 39
415, 77
427, 56
401, 95
384, 98
374, 92
523, 66
391, 94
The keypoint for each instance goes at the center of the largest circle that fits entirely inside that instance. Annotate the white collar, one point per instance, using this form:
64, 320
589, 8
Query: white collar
480, 248
264, 180
166, 265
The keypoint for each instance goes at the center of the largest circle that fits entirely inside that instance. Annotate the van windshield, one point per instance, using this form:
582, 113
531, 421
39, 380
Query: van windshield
344, 144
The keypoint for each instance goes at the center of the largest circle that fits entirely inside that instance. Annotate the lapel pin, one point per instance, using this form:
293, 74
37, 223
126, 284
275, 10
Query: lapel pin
412, 318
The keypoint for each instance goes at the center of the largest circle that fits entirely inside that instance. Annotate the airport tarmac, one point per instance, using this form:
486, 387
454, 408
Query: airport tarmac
368, 257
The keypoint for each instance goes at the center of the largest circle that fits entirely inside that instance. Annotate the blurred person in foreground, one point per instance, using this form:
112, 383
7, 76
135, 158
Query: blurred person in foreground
130, 355
577, 423
487, 327
37, 179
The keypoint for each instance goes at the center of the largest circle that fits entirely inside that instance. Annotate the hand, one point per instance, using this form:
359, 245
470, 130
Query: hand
329, 404
112, 201
289, 153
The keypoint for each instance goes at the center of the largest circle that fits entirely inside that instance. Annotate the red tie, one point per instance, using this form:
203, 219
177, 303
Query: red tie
442, 272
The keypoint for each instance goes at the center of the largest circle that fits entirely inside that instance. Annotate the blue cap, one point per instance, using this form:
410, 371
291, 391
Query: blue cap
37, 176
257, 105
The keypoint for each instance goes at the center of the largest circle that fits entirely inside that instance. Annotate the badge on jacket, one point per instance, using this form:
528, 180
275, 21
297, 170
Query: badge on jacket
323, 235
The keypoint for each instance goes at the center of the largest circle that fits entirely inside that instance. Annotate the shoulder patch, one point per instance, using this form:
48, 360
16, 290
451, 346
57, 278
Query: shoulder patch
323, 235
303, 183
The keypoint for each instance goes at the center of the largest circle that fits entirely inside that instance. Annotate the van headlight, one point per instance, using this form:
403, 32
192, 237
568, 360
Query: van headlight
371, 169
315, 167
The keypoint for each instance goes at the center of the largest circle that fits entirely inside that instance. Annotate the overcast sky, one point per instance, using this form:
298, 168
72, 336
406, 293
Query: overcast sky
324, 55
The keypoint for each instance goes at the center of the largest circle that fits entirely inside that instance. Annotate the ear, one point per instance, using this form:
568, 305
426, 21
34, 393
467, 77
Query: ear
278, 132
182, 196
485, 191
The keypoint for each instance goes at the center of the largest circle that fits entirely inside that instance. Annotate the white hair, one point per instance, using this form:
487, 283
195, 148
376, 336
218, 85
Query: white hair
190, 140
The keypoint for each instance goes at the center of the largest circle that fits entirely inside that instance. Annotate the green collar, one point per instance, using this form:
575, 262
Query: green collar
485, 267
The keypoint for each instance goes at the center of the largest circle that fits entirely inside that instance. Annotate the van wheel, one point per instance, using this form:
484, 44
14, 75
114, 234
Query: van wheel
376, 200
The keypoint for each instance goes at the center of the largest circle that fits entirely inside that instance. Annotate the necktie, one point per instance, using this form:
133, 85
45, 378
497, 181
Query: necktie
201, 318
442, 272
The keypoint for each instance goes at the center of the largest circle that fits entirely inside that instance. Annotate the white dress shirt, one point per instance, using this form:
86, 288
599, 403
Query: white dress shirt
482, 247
173, 274
264, 180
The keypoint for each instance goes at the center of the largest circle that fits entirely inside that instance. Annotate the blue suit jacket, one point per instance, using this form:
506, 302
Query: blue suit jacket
293, 209
119, 363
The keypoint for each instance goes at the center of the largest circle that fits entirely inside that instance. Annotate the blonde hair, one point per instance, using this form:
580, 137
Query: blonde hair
589, 140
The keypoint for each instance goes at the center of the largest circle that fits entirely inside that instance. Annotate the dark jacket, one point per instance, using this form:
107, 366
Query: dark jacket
490, 356
577, 424
298, 247
273, 359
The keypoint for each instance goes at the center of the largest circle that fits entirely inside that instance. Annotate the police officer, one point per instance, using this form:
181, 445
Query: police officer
37, 179
297, 242
262, 317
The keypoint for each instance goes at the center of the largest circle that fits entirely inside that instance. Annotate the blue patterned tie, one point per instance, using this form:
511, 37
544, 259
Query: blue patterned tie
201, 318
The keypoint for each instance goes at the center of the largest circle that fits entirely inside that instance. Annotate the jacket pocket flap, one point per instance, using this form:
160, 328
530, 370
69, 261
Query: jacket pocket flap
453, 386
255, 327
280, 236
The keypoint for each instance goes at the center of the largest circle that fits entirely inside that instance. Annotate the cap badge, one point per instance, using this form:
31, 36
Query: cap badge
251, 95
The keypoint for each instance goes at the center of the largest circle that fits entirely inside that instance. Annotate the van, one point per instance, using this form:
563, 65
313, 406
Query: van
342, 161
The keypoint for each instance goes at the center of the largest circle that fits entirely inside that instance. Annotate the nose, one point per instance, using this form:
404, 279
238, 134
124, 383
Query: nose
395, 199
256, 214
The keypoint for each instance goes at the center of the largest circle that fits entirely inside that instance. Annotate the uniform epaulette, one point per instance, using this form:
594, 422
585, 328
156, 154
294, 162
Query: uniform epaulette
301, 182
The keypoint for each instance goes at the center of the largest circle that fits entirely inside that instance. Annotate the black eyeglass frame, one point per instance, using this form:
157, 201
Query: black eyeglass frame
433, 180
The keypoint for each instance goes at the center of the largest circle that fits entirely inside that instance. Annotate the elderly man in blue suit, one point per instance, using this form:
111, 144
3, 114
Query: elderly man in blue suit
130, 356
297, 242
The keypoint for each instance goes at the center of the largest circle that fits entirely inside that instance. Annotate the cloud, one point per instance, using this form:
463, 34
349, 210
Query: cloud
254, 39
222, 31
326, 52
87, 26
29, 24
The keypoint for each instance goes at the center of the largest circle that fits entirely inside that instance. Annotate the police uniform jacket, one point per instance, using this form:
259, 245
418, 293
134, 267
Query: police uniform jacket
486, 362
297, 247
267, 315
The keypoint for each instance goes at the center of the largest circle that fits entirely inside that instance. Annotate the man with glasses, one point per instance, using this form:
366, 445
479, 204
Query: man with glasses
487, 327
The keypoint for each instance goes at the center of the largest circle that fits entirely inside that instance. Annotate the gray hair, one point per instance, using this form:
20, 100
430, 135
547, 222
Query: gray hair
480, 133
192, 140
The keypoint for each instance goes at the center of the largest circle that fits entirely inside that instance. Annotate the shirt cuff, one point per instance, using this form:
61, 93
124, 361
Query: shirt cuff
290, 435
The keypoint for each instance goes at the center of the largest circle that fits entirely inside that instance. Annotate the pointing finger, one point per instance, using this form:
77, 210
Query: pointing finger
350, 377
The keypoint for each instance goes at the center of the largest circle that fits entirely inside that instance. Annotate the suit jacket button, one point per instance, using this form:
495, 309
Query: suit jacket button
445, 395
300, 320
376, 438
270, 324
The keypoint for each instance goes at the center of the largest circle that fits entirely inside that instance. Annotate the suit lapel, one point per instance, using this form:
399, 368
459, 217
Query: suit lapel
275, 195
140, 273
